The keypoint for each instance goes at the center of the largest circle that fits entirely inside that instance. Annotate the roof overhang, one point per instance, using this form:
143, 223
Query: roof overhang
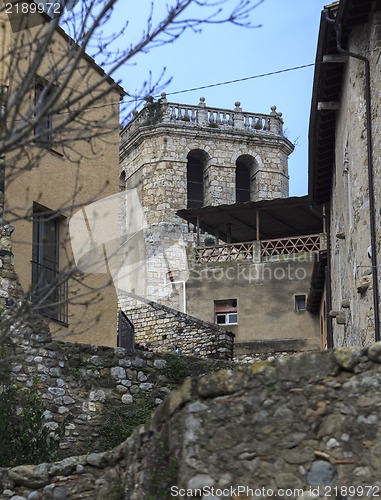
32, 19
268, 219
327, 86
317, 283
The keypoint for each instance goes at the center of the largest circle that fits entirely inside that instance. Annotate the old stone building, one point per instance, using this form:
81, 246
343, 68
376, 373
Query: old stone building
60, 163
344, 166
258, 277
178, 159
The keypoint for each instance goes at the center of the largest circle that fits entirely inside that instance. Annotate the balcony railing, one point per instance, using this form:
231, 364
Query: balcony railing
50, 292
225, 253
256, 251
187, 115
286, 246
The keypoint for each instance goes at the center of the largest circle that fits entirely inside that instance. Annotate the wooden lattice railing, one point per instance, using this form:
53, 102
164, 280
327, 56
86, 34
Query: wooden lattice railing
225, 253
286, 246
268, 248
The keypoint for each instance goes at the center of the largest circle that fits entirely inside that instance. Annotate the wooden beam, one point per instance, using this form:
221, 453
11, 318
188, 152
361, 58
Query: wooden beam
330, 106
335, 58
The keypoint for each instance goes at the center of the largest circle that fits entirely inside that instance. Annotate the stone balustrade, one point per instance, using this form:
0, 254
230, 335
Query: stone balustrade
186, 115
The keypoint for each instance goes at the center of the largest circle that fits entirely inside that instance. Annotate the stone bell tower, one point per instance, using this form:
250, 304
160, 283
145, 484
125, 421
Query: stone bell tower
180, 156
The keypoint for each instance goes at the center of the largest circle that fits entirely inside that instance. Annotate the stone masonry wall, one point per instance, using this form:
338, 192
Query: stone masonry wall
154, 160
164, 329
79, 382
352, 287
296, 428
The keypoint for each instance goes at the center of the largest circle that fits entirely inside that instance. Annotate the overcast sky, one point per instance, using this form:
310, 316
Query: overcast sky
287, 38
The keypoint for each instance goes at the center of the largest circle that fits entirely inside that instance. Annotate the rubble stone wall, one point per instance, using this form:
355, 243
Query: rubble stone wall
300, 427
164, 329
78, 382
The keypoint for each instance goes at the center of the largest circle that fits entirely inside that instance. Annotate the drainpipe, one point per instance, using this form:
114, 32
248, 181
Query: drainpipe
365, 60
327, 274
328, 305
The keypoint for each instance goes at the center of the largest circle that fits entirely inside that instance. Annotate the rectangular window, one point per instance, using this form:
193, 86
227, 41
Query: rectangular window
49, 285
226, 312
300, 303
43, 129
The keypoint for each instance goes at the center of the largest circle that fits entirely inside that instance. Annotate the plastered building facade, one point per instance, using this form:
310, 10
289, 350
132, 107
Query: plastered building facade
62, 165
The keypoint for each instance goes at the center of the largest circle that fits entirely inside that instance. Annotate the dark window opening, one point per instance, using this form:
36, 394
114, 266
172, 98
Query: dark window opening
126, 332
43, 128
49, 285
122, 181
195, 181
242, 185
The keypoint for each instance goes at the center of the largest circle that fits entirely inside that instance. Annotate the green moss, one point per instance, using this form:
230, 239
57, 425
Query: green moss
74, 372
164, 468
119, 422
176, 368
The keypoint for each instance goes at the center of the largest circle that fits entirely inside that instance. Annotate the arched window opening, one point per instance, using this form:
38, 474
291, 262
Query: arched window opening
195, 179
244, 178
122, 181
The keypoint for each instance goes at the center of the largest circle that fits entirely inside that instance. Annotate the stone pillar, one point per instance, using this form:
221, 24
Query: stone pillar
256, 252
323, 241
202, 115
276, 121
165, 118
239, 121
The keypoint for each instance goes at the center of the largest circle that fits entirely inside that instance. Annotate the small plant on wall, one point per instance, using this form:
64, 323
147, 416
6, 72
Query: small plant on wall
176, 369
154, 112
209, 241
24, 439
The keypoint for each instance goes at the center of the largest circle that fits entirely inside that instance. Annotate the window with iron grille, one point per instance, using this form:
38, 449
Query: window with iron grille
49, 285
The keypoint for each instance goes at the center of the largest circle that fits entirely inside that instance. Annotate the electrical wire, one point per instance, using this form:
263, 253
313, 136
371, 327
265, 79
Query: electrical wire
202, 87
237, 80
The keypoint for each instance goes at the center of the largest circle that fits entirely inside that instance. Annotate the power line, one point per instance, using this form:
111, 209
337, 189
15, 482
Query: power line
262, 75
219, 84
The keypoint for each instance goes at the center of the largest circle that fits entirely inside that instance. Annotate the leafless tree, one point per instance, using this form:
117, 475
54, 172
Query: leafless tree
44, 104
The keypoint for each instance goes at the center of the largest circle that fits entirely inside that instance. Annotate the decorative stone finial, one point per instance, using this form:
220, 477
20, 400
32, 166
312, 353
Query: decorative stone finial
163, 97
273, 111
135, 112
202, 102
